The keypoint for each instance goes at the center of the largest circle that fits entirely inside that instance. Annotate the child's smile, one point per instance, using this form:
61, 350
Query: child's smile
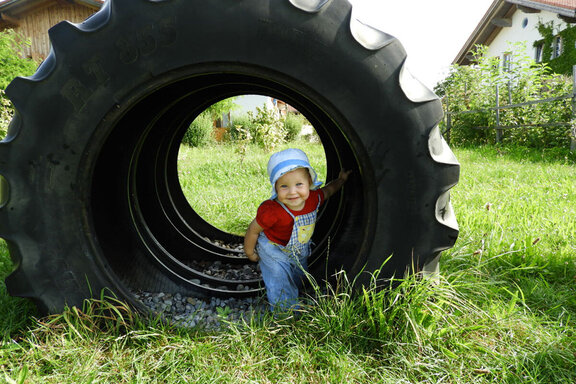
293, 188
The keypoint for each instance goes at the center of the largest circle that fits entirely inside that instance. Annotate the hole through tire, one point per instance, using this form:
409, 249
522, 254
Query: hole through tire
146, 206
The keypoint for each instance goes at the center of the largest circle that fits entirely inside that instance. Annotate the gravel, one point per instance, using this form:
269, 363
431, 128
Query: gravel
213, 314
227, 271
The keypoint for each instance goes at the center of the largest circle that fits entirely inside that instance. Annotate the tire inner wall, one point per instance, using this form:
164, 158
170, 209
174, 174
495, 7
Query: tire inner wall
145, 227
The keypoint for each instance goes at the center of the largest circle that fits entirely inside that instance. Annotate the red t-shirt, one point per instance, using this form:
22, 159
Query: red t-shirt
277, 223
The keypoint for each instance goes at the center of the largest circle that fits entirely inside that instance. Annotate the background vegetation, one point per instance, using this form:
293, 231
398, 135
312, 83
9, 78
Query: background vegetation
200, 132
473, 88
564, 63
264, 127
11, 65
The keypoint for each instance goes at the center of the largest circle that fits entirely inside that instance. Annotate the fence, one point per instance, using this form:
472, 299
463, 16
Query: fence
498, 108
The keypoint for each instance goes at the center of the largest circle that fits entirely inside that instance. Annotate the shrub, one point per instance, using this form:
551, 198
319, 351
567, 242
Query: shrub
472, 89
239, 126
11, 62
293, 126
199, 134
267, 129
6, 112
11, 66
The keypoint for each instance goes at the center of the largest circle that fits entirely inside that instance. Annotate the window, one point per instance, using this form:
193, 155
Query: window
557, 47
538, 50
507, 62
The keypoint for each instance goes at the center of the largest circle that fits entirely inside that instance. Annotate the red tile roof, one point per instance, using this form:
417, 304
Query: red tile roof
563, 7
569, 4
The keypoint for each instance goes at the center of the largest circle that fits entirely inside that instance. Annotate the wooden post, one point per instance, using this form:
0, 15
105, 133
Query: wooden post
498, 129
573, 120
448, 120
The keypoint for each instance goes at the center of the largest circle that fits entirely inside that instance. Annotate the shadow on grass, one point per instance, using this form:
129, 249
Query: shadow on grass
16, 314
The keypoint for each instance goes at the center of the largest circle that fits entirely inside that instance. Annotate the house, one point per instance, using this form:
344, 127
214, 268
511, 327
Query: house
33, 18
547, 27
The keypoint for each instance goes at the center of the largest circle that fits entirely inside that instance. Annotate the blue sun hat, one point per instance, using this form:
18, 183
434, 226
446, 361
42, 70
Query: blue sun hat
288, 160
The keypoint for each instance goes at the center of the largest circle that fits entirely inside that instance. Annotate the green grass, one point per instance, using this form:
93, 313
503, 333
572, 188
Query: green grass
503, 311
518, 227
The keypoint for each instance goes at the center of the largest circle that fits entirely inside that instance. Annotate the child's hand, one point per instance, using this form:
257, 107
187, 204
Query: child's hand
253, 257
250, 240
335, 185
343, 175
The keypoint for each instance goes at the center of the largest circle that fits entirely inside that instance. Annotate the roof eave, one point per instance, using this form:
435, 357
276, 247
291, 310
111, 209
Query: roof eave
97, 4
10, 4
563, 11
7, 4
484, 27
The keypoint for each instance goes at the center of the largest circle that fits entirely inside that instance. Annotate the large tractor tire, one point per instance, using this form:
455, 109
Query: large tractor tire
91, 197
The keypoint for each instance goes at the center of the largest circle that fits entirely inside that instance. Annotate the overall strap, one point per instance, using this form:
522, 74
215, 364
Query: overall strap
290, 213
285, 208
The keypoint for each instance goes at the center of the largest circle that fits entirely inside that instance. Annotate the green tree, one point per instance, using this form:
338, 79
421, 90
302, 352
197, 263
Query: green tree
293, 125
216, 110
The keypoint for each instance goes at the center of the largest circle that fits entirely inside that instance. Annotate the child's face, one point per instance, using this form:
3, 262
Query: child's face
293, 188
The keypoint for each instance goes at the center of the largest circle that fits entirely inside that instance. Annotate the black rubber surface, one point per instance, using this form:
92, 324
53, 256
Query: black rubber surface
93, 199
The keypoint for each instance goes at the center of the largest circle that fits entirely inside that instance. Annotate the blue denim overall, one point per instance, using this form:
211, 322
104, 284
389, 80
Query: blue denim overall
284, 267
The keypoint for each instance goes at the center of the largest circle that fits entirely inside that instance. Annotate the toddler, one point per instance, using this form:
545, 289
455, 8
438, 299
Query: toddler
279, 236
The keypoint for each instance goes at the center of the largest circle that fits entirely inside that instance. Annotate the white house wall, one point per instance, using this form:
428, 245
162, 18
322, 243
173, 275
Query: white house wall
249, 103
518, 33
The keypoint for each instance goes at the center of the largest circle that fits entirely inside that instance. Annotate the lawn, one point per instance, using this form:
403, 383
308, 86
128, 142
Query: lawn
503, 311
